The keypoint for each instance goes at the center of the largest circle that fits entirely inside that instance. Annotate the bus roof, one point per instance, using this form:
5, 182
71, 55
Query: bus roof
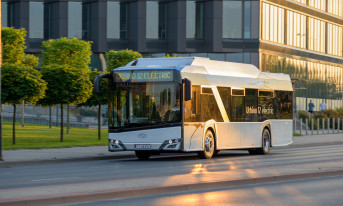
203, 71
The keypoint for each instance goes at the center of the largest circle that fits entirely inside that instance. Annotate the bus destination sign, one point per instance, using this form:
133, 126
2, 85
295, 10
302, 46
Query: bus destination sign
145, 76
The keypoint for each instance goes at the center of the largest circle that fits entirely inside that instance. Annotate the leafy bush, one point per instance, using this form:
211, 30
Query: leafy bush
330, 113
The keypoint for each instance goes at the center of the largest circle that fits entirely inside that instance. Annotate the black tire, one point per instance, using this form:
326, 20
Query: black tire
143, 155
209, 146
266, 137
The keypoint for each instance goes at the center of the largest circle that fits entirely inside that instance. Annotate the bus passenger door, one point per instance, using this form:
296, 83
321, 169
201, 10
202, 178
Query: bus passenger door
193, 129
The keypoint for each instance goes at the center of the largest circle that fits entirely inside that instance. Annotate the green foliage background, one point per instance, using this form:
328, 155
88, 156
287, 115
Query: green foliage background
66, 85
72, 52
20, 83
97, 99
13, 45
120, 58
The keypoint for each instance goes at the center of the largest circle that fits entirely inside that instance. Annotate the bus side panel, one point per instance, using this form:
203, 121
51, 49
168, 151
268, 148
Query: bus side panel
192, 136
223, 129
282, 133
236, 135
251, 135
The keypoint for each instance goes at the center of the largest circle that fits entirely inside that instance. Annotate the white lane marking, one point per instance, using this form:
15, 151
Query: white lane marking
5, 174
108, 166
52, 179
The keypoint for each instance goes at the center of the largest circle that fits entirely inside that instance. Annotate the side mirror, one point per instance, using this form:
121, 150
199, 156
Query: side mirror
188, 89
97, 82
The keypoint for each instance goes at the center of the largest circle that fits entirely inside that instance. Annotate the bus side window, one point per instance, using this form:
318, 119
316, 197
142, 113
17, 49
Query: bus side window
194, 103
225, 93
237, 105
192, 107
266, 105
251, 105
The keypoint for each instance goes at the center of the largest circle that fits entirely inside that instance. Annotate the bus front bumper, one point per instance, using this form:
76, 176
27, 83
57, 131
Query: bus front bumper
168, 145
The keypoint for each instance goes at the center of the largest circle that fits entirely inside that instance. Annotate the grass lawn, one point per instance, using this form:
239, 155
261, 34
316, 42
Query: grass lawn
34, 136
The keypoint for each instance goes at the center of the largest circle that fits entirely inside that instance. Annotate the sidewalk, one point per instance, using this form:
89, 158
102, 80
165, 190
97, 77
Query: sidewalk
28, 156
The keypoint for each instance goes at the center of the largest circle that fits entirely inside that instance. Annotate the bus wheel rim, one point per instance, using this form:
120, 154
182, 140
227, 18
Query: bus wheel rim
209, 144
266, 141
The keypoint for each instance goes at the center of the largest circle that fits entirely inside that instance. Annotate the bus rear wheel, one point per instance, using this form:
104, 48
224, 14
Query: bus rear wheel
209, 146
143, 155
266, 137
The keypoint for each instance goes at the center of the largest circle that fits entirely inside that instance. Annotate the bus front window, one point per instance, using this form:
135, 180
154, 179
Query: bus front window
144, 104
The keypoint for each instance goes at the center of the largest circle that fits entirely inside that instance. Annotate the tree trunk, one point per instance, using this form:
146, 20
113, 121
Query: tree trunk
56, 115
22, 114
68, 119
99, 122
49, 117
14, 120
61, 123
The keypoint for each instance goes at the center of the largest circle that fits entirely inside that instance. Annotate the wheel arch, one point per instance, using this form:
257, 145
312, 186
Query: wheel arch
267, 125
211, 126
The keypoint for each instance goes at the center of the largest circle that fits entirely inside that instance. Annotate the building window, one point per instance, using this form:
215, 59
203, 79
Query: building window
334, 40
232, 19
335, 7
296, 29
10, 16
75, 20
36, 20
273, 24
117, 16
247, 21
86, 21
194, 20
47, 20
4, 14
318, 4
317, 35
156, 28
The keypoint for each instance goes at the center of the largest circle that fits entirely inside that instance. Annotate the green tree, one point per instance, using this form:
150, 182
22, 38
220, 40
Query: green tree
97, 99
21, 83
72, 52
120, 58
66, 85
13, 45
30, 60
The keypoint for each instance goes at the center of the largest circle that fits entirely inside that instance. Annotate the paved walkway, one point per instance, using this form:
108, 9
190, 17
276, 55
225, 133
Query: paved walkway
26, 156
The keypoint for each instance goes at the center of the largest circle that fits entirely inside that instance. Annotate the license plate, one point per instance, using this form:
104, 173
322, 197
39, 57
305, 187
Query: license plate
142, 146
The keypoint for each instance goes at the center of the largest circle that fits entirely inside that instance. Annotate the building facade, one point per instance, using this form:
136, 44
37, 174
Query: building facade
303, 38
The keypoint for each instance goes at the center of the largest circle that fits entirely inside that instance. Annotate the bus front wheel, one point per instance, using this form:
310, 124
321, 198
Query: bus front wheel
143, 155
209, 146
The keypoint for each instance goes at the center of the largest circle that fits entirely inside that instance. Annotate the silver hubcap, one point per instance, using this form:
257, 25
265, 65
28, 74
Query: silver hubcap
266, 141
209, 145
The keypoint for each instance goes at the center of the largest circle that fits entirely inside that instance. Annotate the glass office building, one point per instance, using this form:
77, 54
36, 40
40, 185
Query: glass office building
303, 38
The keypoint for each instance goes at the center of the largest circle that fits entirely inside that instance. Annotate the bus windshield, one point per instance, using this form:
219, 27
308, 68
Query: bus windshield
140, 104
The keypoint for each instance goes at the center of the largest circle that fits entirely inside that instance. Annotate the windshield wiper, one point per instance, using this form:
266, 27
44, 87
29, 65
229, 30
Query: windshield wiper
128, 125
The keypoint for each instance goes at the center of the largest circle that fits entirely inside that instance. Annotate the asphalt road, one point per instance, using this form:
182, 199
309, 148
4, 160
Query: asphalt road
320, 191
160, 166
170, 168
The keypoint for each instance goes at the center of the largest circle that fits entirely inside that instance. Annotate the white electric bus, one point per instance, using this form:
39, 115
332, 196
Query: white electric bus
193, 104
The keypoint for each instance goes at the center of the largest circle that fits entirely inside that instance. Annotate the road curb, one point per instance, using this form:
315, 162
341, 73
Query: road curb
145, 191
